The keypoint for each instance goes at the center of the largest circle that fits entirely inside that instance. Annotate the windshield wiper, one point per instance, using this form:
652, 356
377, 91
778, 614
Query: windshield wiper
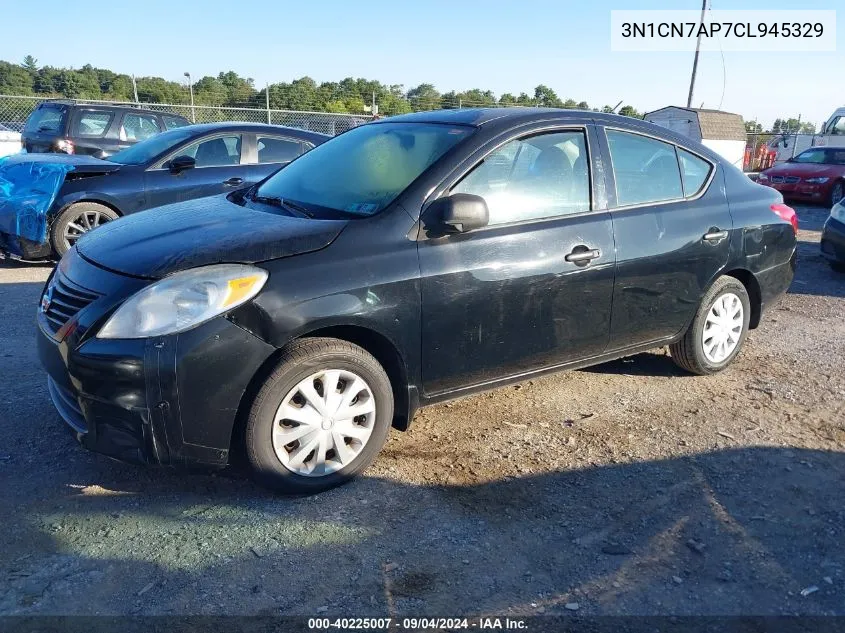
281, 203
297, 207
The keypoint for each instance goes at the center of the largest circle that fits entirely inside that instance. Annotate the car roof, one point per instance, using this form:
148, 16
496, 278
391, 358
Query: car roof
243, 126
482, 116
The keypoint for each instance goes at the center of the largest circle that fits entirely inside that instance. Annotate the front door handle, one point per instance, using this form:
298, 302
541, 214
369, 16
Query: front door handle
233, 182
582, 255
715, 235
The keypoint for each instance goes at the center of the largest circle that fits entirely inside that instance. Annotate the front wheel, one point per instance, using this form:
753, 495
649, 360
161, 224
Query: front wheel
718, 330
320, 418
77, 220
837, 192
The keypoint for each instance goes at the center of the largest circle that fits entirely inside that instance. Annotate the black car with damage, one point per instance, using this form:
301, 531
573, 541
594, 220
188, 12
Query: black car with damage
405, 262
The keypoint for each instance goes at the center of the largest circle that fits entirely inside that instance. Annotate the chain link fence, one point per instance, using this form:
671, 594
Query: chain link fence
14, 112
765, 149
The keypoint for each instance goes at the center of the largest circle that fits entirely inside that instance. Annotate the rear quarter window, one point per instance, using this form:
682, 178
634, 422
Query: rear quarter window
46, 120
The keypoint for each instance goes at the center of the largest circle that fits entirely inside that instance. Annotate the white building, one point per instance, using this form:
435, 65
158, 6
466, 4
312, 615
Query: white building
723, 132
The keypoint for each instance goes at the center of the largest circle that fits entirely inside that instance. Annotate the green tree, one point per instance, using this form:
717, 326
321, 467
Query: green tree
546, 97
30, 64
14, 80
630, 111
424, 97
753, 127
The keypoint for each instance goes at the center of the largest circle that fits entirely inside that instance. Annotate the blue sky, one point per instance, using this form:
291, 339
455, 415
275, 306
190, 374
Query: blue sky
459, 44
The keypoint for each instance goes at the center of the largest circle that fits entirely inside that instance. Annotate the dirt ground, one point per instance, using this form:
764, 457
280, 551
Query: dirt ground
628, 488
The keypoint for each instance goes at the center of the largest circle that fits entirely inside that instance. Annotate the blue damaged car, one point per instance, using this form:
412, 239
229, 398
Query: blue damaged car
47, 201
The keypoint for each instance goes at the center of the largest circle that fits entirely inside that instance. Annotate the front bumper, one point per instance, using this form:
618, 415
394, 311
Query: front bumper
163, 401
833, 240
801, 190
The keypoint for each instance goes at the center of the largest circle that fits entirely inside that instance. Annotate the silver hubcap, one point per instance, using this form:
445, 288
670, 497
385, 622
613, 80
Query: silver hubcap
723, 328
324, 423
81, 224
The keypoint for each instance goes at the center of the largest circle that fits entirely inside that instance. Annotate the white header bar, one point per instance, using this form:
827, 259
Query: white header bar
728, 30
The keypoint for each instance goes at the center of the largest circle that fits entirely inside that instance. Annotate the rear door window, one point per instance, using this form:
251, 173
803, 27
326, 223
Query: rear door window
274, 149
92, 123
172, 122
645, 169
138, 127
46, 120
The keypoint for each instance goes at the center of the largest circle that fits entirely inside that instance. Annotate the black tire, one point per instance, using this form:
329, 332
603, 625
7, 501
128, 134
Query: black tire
71, 214
688, 353
837, 192
299, 360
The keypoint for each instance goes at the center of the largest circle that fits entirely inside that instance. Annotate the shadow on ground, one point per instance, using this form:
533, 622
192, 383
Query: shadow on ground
729, 532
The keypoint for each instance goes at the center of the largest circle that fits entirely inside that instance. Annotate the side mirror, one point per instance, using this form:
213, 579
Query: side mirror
460, 212
181, 163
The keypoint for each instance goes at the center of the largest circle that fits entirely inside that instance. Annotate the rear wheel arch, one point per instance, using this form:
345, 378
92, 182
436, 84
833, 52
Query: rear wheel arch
752, 287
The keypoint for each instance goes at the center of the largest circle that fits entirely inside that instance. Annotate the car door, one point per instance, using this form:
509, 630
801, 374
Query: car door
218, 168
672, 224
534, 287
272, 152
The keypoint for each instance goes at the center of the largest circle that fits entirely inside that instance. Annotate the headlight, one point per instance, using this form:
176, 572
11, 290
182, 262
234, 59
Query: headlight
184, 300
838, 212
817, 181
762, 177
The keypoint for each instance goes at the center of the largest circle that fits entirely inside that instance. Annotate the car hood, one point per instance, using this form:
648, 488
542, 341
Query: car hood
804, 170
165, 240
77, 164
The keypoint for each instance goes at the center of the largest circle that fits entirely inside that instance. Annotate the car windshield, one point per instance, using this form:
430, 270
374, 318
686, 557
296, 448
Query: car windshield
143, 152
362, 171
822, 156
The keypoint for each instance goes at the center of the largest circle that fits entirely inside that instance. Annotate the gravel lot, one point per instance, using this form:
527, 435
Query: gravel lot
628, 488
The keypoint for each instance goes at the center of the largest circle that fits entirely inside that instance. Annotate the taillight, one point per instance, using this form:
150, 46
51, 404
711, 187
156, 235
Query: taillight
65, 146
787, 213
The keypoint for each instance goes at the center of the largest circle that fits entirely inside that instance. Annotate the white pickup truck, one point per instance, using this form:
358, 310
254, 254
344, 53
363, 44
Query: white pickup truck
832, 133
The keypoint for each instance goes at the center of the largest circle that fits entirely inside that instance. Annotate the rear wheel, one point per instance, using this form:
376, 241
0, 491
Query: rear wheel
718, 330
320, 418
77, 220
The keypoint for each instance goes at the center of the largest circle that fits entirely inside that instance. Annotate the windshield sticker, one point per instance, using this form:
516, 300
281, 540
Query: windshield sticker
361, 207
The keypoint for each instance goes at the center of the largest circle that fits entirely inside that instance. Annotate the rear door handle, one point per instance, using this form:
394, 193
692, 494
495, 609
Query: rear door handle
715, 235
233, 182
582, 255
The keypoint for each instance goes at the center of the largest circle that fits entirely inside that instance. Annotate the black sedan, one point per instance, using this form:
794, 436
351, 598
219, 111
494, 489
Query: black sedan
54, 198
402, 263
833, 237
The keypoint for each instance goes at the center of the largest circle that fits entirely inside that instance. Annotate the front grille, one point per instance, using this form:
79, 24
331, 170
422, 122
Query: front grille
65, 300
788, 180
67, 405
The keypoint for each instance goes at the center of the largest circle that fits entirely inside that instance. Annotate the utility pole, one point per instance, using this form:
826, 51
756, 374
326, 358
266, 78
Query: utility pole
135, 90
695, 59
267, 99
191, 90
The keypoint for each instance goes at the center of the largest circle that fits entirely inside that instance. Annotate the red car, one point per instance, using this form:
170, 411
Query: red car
815, 175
